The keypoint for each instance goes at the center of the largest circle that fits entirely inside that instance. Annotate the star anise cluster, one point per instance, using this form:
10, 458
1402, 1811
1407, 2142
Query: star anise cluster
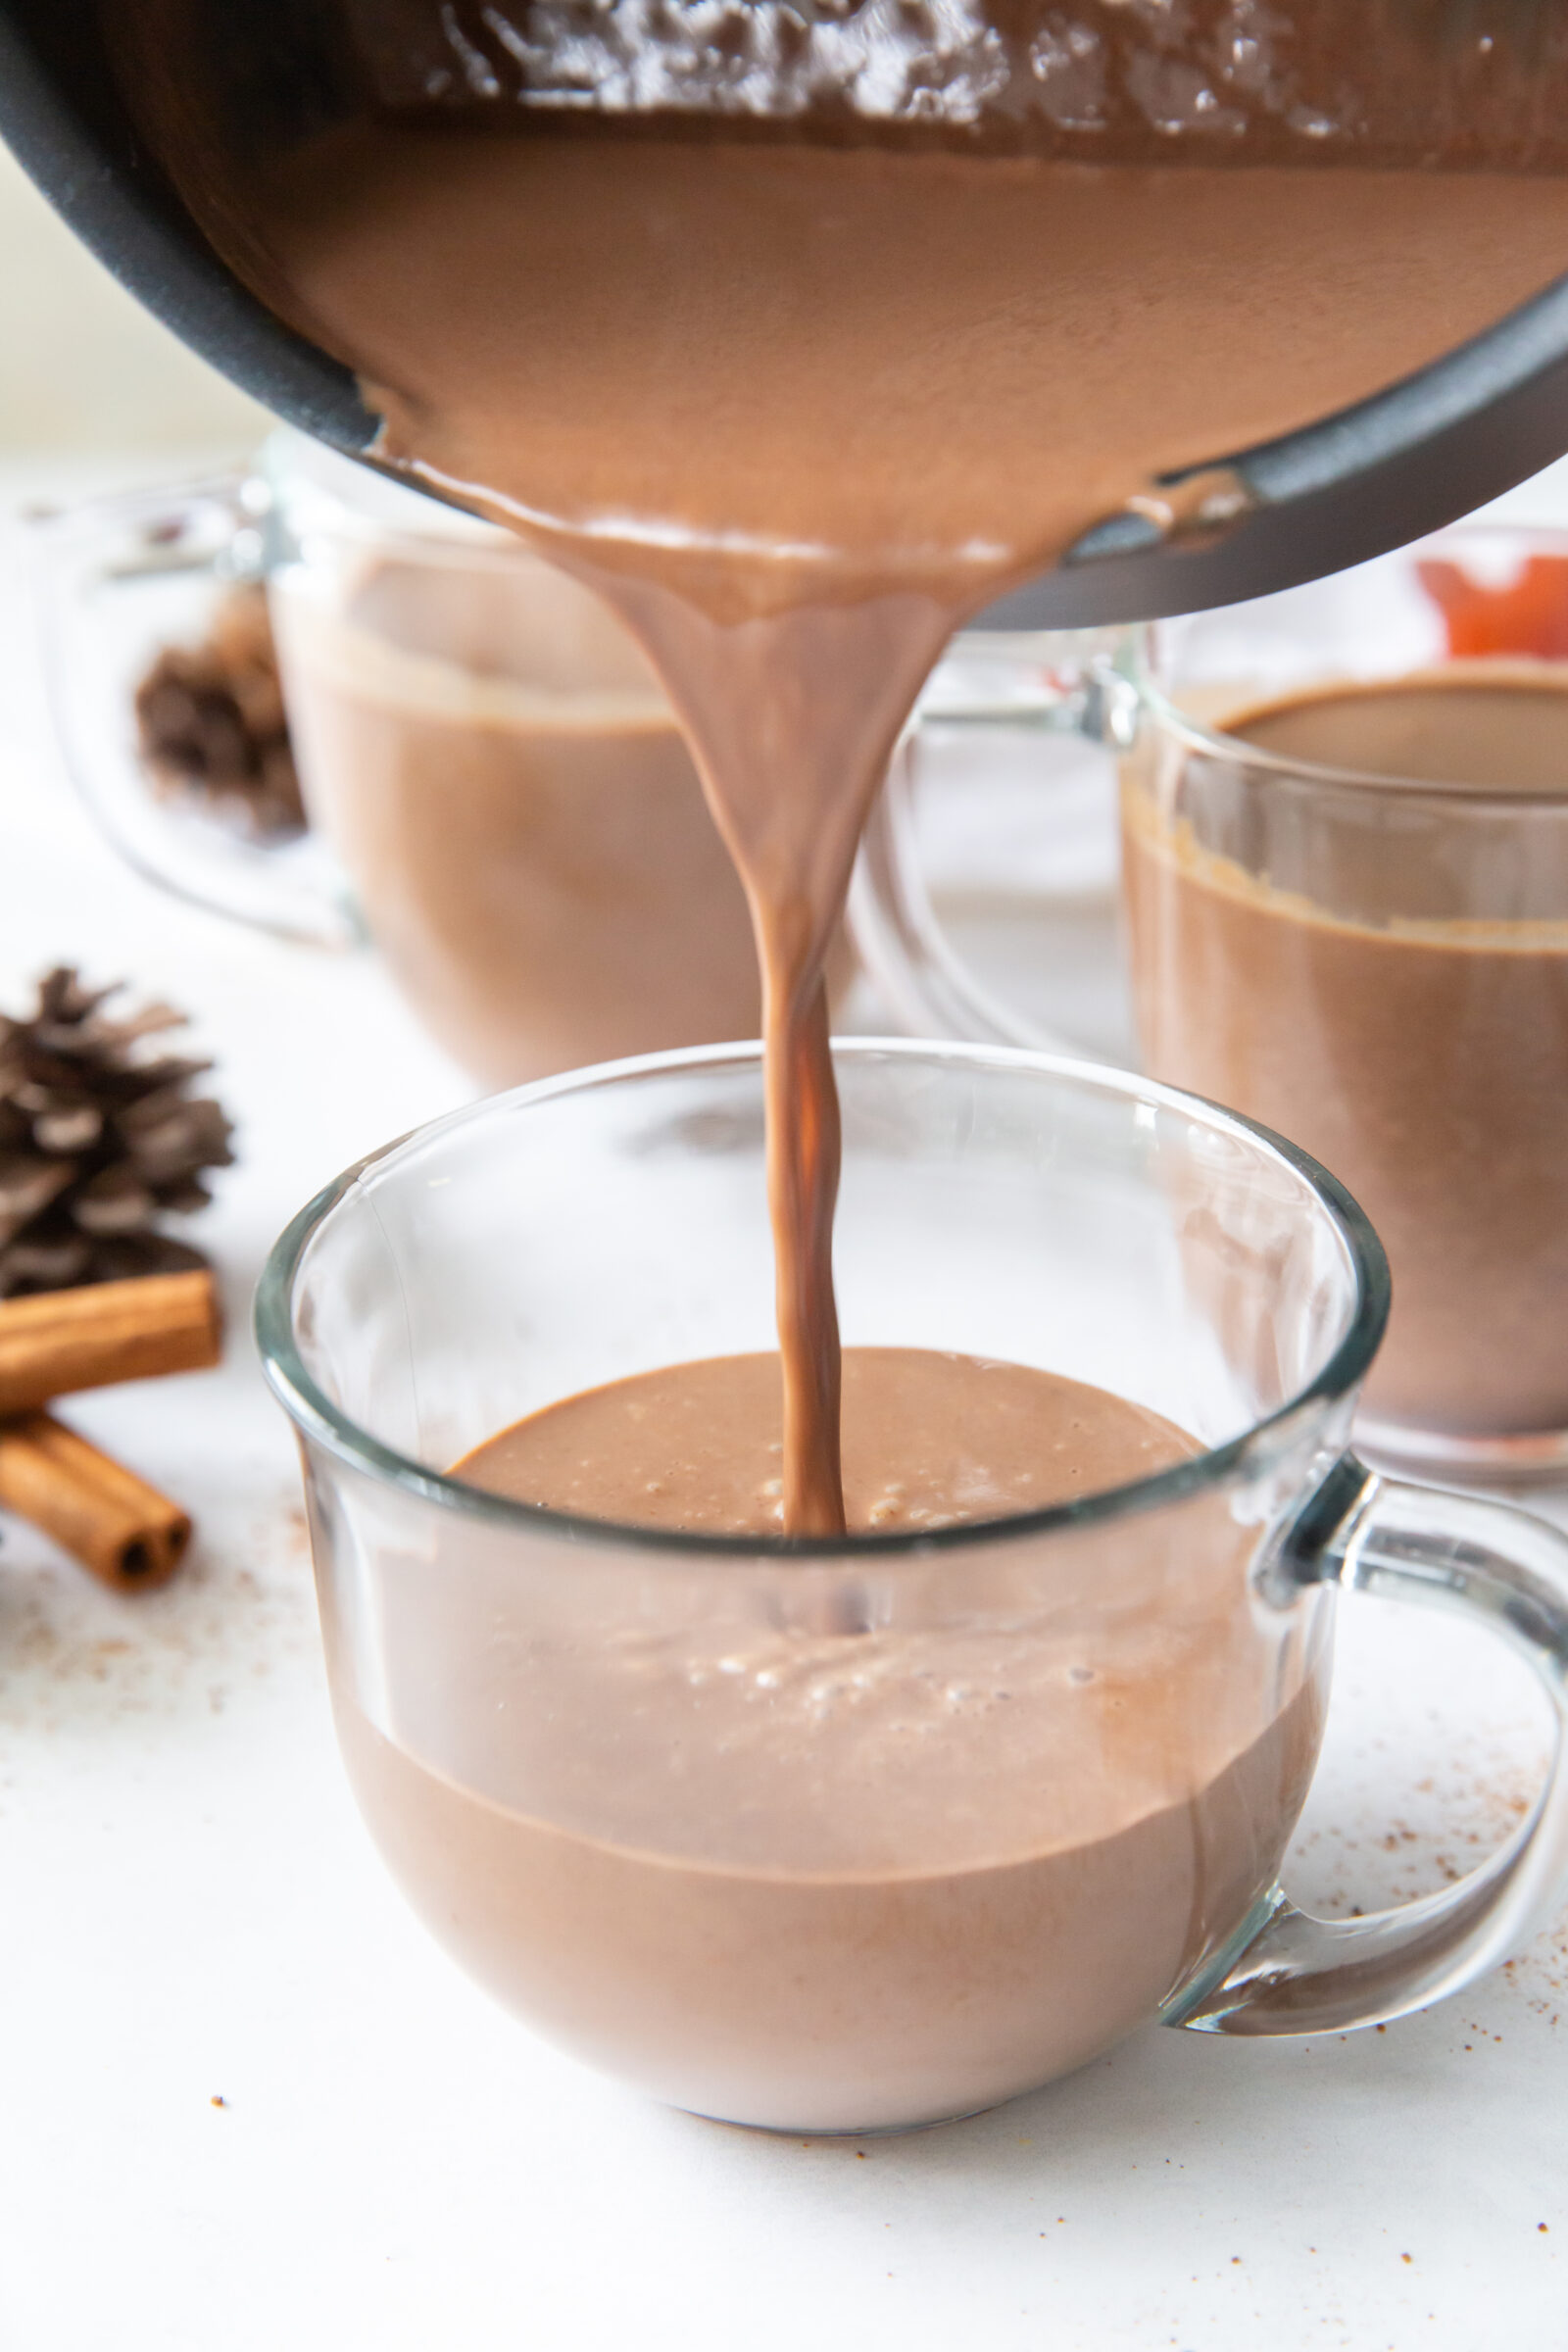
100, 1141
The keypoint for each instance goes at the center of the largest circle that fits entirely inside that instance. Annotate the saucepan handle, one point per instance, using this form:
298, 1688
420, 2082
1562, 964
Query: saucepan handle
1506, 1571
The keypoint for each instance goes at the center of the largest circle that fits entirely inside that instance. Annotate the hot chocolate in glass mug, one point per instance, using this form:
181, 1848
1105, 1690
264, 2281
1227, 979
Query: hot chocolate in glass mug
497, 789
1345, 853
854, 1834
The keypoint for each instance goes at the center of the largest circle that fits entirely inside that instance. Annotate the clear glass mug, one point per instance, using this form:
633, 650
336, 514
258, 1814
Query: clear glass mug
497, 789
858, 1834
1375, 966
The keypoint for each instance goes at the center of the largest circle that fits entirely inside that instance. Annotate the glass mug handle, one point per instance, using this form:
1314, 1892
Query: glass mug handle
1066, 682
117, 582
1503, 1569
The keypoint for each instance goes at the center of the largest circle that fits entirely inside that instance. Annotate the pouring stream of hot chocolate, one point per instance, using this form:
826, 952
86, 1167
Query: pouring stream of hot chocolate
793, 717
798, 411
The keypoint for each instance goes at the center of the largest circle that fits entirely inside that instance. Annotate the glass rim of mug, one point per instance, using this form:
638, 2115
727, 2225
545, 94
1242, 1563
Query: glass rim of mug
1215, 743
315, 1417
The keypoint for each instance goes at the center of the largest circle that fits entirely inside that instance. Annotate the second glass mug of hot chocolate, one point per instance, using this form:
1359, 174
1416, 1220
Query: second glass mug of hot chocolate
861, 1833
1344, 876
496, 786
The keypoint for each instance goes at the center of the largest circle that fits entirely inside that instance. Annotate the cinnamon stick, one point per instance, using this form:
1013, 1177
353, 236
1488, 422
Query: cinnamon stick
95, 1508
102, 1332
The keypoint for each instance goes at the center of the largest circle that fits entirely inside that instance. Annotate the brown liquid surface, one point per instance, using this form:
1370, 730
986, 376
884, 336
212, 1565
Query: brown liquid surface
767, 374
832, 1881
930, 1441
504, 781
1364, 1005
796, 409
1490, 734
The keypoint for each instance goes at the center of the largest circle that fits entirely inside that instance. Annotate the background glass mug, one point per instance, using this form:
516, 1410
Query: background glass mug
1374, 963
847, 1835
479, 742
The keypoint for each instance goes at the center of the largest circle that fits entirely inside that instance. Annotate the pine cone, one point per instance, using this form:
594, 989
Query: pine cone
210, 721
98, 1140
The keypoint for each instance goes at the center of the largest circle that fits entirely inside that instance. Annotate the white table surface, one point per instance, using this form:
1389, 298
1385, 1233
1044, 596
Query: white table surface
244, 2102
